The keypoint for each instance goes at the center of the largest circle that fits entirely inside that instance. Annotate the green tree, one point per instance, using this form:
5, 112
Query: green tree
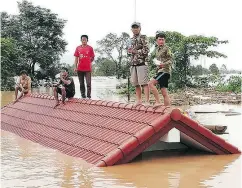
114, 48
9, 61
223, 69
186, 47
38, 33
104, 67
196, 70
214, 69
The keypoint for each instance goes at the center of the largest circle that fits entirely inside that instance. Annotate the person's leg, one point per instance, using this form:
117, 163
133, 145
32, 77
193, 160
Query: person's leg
143, 79
166, 97
152, 85
164, 85
82, 85
55, 90
16, 92
89, 82
63, 94
134, 82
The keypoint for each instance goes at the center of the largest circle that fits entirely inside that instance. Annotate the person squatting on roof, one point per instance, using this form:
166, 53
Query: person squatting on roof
139, 50
84, 56
23, 85
65, 87
163, 60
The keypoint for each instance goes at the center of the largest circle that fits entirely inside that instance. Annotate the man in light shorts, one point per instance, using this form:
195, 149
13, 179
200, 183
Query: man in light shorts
139, 50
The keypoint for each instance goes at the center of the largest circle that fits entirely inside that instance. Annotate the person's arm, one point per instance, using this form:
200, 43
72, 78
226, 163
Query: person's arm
76, 54
19, 82
144, 50
66, 82
92, 55
29, 84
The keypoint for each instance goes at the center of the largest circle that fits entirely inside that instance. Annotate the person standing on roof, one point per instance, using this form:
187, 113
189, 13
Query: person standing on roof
163, 61
84, 56
138, 50
65, 87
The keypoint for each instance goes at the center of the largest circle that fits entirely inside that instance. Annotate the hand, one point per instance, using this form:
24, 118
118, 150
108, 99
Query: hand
156, 62
132, 51
75, 69
162, 65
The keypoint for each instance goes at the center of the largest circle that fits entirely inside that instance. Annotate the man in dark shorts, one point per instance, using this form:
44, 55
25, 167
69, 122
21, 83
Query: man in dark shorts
65, 87
163, 61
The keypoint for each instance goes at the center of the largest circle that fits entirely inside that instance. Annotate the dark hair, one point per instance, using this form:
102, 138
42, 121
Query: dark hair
65, 69
85, 36
23, 72
160, 35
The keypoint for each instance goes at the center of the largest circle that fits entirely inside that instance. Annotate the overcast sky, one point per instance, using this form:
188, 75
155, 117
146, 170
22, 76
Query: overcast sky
97, 18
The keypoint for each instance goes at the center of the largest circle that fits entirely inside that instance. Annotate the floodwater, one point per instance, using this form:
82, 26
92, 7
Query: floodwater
27, 164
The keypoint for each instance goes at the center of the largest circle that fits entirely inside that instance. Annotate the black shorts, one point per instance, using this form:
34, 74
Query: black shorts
69, 94
162, 78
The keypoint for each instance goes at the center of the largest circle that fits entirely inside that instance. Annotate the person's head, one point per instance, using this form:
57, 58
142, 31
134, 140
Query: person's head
23, 73
84, 39
160, 38
64, 72
136, 27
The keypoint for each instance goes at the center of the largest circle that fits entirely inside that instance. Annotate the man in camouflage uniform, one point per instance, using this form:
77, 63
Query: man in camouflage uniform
139, 50
163, 60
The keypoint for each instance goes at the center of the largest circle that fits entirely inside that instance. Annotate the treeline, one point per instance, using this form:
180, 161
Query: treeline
34, 38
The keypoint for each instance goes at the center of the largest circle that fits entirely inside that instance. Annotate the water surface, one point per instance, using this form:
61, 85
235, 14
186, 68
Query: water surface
27, 164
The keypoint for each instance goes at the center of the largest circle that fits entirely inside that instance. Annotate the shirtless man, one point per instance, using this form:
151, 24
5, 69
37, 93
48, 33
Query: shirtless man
23, 85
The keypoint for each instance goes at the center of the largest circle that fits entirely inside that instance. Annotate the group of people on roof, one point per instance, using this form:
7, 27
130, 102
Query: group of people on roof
138, 51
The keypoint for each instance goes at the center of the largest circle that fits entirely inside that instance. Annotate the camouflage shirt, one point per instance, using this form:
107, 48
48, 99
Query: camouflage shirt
140, 43
163, 54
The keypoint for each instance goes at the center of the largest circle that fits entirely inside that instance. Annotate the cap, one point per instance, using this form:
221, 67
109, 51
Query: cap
135, 24
160, 34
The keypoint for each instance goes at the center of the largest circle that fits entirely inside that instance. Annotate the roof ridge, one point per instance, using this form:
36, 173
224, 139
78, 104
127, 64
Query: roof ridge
113, 104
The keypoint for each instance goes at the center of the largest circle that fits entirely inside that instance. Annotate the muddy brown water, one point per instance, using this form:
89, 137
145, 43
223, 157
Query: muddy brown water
28, 164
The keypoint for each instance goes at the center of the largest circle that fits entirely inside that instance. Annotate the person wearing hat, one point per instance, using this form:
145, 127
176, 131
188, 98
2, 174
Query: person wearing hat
163, 61
84, 56
139, 50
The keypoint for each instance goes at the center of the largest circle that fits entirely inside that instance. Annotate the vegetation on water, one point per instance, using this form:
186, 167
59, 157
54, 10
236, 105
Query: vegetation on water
34, 38
232, 85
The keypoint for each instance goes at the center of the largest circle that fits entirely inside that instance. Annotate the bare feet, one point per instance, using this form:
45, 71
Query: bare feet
16, 100
146, 104
157, 105
137, 104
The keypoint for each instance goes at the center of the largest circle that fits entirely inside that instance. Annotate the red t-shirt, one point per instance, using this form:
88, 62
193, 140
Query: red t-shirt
85, 54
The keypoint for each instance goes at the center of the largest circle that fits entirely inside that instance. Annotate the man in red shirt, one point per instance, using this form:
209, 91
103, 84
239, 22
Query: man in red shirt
84, 56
